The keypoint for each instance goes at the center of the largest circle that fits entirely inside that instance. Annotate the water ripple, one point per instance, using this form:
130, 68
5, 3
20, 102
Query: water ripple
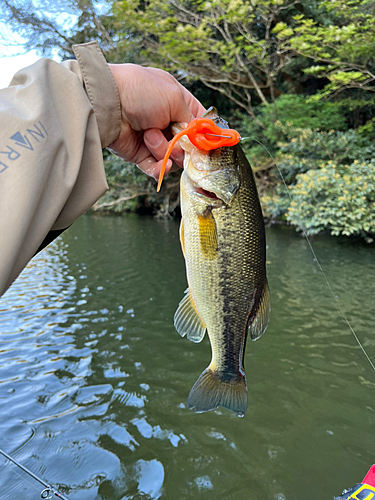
94, 379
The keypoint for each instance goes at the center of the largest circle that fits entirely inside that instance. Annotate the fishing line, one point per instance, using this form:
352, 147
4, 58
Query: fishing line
24, 478
48, 491
337, 303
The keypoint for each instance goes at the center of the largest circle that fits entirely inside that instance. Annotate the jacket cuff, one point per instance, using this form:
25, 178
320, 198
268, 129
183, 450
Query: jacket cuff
101, 90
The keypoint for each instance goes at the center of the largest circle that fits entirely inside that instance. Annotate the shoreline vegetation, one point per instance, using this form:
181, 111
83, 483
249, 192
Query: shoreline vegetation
320, 179
295, 76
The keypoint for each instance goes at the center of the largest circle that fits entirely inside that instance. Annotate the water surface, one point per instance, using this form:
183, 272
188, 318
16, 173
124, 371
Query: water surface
94, 379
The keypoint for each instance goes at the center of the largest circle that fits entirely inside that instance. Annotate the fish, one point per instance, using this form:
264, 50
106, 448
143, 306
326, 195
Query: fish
223, 241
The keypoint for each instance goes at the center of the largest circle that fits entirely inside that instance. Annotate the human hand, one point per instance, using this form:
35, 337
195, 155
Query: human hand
150, 100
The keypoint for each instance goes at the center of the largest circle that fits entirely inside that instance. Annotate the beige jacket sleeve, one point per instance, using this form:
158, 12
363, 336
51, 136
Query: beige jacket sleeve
54, 121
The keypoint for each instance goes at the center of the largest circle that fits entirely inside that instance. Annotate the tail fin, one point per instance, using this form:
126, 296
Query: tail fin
210, 391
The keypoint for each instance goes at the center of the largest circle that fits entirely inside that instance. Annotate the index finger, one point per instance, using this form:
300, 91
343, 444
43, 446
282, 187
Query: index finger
196, 108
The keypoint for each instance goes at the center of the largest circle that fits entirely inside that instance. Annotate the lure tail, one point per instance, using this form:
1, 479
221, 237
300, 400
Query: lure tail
213, 389
204, 135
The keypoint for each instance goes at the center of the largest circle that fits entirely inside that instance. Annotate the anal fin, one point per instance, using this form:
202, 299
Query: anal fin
187, 321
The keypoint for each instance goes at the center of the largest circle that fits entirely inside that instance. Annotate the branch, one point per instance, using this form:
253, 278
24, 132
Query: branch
352, 86
27, 16
248, 109
228, 38
102, 29
98, 206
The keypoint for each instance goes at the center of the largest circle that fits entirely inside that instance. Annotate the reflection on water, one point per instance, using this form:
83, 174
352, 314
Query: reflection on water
94, 379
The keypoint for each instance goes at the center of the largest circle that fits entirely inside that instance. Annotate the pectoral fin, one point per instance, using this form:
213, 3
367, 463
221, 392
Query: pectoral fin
259, 317
187, 321
208, 235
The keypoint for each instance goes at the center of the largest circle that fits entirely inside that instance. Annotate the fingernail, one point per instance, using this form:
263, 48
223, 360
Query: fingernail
153, 137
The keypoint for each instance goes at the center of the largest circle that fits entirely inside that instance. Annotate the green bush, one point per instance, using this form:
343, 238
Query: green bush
289, 112
299, 112
327, 145
340, 198
306, 149
326, 193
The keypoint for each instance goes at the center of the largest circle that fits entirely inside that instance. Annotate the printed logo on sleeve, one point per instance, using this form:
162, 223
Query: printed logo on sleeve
21, 142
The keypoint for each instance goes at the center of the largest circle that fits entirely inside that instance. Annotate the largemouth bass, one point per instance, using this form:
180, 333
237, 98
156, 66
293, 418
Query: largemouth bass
223, 240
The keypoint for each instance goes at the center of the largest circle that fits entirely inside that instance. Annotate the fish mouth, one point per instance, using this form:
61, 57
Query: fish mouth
207, 194
208, 185
209, 197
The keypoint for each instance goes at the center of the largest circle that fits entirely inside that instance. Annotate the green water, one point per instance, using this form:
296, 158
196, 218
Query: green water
94, 378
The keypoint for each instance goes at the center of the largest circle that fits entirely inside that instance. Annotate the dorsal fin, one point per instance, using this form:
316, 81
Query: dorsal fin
213, 115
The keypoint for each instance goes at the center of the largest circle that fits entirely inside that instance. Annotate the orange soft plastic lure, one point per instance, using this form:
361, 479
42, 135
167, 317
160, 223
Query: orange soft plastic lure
203, 134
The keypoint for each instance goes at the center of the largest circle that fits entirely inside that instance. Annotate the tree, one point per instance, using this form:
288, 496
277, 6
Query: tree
341, 51
244, 49
228, 45
46, 26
